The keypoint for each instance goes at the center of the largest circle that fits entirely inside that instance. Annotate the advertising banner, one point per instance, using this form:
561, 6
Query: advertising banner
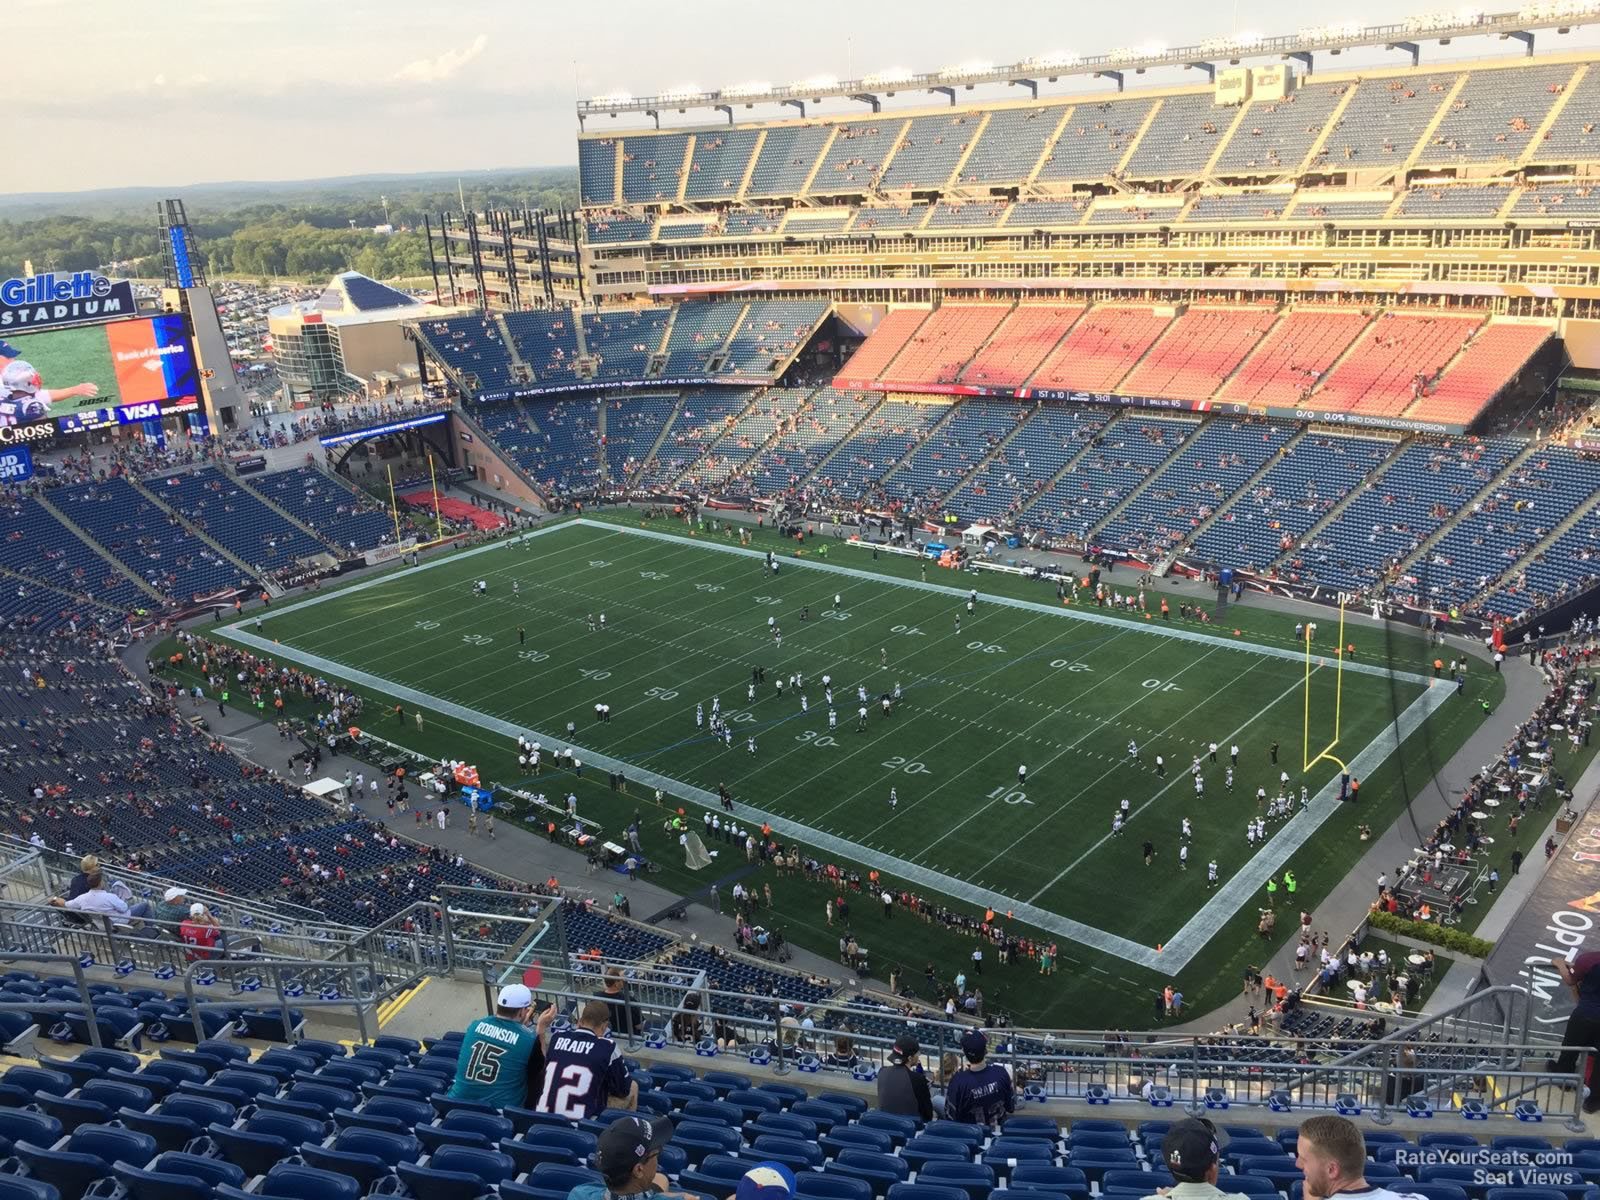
16, 464
92, 376
1561, 919
52, 300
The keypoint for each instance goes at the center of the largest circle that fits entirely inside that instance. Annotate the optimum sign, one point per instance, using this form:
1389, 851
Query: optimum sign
49, 300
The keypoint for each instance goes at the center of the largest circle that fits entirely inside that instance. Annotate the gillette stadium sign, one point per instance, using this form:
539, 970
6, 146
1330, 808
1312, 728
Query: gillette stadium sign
51, 299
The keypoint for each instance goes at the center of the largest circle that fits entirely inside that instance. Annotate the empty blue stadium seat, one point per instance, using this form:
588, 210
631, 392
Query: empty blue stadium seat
1003, 1153
975, 1179
21, 1125
366, 1155
296, 1182
857, 1137
882, 1171
928, 1146
92, 1064
815, 1185
1248, 1185
1095, 1163
924, 1191
793, 1153
1149, 1181
20, 1187
72, 1111
715, 1111
1070, 1180
958, 1130
175, 1175
901, 1128
86, 1155
170, 1132
698, 1139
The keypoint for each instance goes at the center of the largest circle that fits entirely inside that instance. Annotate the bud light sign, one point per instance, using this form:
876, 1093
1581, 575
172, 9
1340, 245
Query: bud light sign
16, 464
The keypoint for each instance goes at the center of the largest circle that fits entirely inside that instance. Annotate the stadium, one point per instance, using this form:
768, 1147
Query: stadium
783, 610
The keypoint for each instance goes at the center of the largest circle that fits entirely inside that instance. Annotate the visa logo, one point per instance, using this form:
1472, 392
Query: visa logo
142, 412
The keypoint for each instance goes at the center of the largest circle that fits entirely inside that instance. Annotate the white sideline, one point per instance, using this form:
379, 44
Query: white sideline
1176, 952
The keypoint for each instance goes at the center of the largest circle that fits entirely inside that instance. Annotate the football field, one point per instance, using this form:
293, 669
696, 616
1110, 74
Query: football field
929, 793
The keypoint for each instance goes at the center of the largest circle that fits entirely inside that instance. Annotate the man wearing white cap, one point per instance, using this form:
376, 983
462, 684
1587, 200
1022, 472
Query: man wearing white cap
501, 1062
171, 910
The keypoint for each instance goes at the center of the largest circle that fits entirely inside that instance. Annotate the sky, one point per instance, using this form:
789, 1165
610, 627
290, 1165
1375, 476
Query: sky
113, 93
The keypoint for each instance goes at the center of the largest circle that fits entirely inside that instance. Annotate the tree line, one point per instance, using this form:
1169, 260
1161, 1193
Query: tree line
326, 230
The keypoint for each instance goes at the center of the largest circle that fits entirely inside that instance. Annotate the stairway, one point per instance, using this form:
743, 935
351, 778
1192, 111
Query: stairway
1238, 493
83, 536
1355, 344
1566, 523
1177, 452
286, 514
519, 365
9, 577
245, 568
666, 431
1333, 514
1010, 436
711, 447
776, 436
845, 440
505, 458
937, 428
1465, 510
1070, 465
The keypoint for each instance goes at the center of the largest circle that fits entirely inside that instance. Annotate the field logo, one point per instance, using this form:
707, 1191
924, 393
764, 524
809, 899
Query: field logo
16, 465
48, 300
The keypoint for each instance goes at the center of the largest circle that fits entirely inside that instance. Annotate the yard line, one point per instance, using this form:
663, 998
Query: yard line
1104, 838
1091, 616
1139, 699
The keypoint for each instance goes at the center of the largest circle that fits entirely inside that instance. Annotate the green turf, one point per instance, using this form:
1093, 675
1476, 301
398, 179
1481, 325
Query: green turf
1012, 686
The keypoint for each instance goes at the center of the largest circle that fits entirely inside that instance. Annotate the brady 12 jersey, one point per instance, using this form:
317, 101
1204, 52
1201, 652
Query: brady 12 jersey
581, 1071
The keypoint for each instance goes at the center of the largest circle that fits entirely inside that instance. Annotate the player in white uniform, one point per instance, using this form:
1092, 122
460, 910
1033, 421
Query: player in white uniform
1116, 824
833, 718
699, 716
1133, 749
1211, 873
861, 719
1187, 832
1183, 857
894, 798
805, 703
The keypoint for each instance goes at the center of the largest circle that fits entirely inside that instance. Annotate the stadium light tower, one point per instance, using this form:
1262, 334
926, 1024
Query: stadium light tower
182, 267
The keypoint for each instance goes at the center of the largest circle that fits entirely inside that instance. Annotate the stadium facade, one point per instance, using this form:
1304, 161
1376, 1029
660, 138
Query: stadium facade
1373, 256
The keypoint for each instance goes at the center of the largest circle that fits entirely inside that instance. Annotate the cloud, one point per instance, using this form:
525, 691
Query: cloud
445, 66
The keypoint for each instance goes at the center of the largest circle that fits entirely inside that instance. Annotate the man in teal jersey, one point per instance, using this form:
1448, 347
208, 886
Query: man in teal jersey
500, 1061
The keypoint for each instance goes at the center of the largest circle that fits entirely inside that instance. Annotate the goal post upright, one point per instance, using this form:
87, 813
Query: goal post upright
1326, 753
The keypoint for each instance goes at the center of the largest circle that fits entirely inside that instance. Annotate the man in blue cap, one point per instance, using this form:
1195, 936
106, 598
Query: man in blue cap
980, 1092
